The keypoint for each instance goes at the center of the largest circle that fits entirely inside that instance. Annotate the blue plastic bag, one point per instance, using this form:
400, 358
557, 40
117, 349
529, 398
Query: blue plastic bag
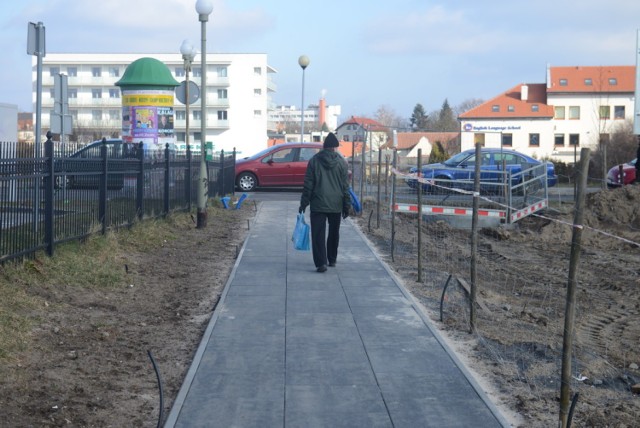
301, 235
355, 202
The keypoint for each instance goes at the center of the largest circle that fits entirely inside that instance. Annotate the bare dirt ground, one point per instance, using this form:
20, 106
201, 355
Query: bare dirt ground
522, 276
88, 363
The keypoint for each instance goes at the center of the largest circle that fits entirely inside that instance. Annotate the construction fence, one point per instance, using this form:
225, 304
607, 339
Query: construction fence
517, 273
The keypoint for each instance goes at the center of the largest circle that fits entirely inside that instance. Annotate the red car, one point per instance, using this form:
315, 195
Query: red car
282, 165
628, 174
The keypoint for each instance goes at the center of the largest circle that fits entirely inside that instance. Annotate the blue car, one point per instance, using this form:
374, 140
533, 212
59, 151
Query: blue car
496, 164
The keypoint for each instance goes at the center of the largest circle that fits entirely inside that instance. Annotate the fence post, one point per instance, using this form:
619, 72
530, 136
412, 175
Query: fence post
49, 235
140, 182
386, 177
232, 187
221, 189
474, 241
188, 178
102, 204
570, 308
379, 185
419, 216
393, 202
166, 179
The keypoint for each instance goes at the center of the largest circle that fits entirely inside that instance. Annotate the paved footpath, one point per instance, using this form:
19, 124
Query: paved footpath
290, 347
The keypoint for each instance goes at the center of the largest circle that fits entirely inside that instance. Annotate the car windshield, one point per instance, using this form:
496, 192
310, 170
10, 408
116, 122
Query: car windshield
455, 160
260, 153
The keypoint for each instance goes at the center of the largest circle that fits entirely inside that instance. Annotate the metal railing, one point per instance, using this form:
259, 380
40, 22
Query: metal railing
58, 198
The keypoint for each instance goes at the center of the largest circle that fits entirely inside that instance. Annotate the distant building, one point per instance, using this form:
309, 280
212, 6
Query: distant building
410, 142
362, 129
25, 128
287, 119
238, 92
577, 107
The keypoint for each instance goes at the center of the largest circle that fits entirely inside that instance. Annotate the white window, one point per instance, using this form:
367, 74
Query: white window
197, 72
180, 72
72, 71
54, 71
96, 72
222, 94
114, 72
114, 93
257, 71
574, 112
257, 113
96, 93
96, 114
73, 92
181, 114
222, 115
114, 114
197, 115
257, 92
222, 71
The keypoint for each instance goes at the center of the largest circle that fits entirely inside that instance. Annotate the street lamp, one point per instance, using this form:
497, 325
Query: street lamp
188, 52
204, 9
303, 61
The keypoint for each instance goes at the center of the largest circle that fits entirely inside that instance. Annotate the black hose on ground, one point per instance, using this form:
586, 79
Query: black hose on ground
155, 368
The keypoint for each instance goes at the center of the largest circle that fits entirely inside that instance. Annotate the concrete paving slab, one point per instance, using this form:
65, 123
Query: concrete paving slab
288, 346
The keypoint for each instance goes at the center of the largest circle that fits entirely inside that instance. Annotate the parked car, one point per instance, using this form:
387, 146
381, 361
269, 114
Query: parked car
628, 174
459, 170
82, 168
281, 165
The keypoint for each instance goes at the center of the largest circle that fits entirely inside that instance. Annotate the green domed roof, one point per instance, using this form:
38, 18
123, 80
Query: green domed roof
147, 72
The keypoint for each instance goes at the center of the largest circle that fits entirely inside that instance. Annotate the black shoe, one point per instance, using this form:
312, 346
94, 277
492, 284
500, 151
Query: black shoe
322, 268
332, 264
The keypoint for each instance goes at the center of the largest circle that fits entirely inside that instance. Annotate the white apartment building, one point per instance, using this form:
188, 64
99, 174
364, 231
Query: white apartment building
239, 89
289, 118
577, 107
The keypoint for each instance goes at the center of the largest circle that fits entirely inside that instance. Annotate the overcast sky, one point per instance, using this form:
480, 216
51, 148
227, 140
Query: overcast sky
364, 54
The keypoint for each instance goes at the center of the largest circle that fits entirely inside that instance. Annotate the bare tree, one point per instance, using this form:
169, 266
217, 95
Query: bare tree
388, 117
619, 148
467, 105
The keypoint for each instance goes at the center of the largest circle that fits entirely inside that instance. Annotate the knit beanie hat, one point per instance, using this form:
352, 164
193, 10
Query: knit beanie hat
330, 141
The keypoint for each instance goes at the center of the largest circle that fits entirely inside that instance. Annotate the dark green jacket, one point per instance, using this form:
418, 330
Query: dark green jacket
326, 183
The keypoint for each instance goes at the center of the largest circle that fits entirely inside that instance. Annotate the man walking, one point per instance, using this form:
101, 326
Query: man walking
326, 190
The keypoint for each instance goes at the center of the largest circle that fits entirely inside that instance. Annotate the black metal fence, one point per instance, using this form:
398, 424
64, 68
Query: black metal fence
62, 197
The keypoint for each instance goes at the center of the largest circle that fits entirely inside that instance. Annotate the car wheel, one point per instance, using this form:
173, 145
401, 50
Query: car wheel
246, 182
445, 183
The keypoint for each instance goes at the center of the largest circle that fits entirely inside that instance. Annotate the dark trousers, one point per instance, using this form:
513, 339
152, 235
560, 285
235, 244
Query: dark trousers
324, 252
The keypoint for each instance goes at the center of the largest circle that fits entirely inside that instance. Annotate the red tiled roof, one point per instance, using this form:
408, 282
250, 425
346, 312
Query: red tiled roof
408, 140
511, 105
370, 124
577, 79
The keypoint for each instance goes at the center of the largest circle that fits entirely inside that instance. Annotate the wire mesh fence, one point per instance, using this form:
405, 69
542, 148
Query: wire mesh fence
521, 282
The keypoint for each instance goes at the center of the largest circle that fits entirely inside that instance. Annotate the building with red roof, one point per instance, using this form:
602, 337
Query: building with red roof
577, 107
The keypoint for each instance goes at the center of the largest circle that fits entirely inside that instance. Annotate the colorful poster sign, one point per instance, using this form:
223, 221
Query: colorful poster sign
147, 117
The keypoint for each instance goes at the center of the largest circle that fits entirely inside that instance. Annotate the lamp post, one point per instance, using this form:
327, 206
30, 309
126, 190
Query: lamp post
188, 52
303, 61
204, 9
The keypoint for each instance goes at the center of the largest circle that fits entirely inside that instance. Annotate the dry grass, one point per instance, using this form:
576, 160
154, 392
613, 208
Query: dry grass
97, 262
